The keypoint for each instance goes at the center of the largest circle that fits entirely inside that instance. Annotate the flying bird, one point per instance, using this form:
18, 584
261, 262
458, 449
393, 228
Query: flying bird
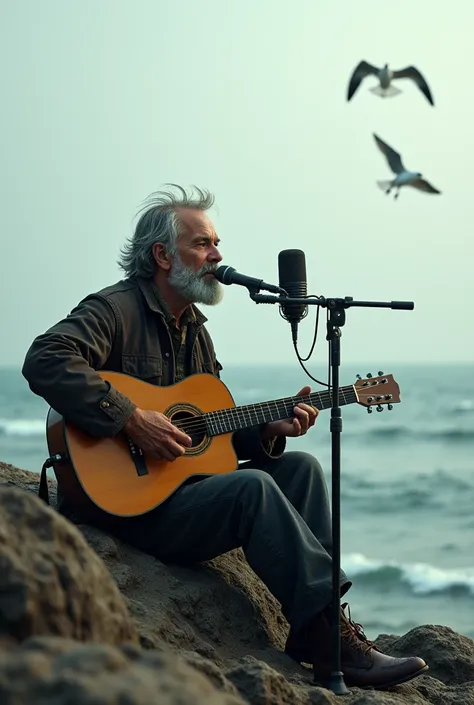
386, 76
403, 177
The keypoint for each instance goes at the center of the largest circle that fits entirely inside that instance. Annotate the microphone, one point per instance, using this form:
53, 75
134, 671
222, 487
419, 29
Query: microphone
228, 275
292, 278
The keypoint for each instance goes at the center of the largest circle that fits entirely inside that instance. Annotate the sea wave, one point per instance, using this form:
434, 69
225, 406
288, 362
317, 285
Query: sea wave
462, 406
438, 490
446, 433
420, 578
22, 427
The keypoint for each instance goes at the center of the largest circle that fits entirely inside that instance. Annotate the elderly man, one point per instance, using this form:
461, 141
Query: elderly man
274, 505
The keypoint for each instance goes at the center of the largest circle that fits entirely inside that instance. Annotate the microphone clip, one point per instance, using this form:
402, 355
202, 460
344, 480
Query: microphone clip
265, 298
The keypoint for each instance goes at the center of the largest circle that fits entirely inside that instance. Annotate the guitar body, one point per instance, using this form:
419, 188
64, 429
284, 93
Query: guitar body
114, 474
121, 480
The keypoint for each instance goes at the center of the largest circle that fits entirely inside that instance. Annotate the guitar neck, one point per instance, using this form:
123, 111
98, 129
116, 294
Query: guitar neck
239, 417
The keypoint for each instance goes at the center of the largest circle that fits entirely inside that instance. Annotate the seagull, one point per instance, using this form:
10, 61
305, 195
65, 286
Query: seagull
403, 177
386, 76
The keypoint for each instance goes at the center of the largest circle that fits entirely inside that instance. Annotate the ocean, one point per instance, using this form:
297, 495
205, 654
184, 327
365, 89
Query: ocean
407, 485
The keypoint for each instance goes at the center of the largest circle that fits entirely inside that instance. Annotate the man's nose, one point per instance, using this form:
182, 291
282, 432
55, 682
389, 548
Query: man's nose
214, 255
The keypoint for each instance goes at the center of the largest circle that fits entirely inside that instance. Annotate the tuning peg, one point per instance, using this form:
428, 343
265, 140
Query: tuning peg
379, 407
390, 407
380, 372
358, 377
368, 374
369, 409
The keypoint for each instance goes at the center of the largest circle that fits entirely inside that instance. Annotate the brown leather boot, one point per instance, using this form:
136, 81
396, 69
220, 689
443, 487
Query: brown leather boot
361, 662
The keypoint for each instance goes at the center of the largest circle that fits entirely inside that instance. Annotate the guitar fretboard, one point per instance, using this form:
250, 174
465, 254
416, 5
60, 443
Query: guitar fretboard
230, 420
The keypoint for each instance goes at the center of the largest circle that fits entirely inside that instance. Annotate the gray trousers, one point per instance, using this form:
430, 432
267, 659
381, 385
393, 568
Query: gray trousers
278, 513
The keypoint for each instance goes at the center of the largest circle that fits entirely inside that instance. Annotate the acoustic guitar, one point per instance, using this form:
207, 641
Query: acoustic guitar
121, 480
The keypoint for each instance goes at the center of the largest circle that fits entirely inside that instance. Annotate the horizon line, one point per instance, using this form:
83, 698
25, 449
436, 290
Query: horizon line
289, 363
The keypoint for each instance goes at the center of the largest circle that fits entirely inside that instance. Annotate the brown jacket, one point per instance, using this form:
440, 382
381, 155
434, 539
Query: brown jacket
121, 328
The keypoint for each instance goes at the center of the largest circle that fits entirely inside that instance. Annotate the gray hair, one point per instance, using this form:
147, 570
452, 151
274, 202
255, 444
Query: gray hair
159, 222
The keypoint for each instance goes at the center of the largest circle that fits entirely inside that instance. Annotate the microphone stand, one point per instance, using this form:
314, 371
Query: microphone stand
337, 318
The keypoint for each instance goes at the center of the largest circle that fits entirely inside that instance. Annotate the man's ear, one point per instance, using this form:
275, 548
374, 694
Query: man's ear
161, 257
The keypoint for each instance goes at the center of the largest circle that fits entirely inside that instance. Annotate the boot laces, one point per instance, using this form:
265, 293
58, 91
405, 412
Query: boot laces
353, 632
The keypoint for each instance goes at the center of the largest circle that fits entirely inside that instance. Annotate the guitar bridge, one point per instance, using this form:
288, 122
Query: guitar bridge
138, 458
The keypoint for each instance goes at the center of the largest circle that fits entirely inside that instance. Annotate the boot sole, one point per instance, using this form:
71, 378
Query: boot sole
300, 659
324, 682
405, 679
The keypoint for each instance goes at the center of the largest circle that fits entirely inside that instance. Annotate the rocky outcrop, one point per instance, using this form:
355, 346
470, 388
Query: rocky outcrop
50, 580
450, 655
46, 670
85, 618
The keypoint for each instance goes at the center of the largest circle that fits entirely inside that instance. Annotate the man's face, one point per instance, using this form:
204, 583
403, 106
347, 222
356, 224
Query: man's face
197, 256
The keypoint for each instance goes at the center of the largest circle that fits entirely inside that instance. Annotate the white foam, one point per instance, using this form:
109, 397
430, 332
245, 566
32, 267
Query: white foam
464, 405
421, 577
22, 427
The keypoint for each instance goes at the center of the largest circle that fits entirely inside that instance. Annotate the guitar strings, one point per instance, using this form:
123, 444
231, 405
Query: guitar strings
198, 424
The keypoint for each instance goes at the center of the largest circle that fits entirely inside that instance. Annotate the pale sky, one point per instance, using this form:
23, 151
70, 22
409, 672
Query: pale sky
103, 101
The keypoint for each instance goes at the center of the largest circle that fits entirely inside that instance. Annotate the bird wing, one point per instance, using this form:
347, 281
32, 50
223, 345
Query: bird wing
362, 70
415, 75
393, 158
423, 185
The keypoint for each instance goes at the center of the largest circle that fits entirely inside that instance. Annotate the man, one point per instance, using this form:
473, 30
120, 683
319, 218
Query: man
275, 505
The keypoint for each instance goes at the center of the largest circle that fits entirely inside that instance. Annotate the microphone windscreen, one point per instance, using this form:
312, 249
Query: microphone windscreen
292, 278
292, 272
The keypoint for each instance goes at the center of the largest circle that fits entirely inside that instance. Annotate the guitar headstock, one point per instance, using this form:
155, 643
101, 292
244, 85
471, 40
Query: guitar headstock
377, 391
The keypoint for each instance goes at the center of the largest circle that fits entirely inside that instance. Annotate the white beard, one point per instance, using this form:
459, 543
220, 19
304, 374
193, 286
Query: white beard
191, 285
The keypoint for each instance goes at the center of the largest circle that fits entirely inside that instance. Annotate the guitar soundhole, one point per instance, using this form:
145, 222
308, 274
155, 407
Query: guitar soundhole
190, 425
193, 424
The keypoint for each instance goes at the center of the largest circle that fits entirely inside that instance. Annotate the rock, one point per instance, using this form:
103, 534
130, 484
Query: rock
450, 655
211, 670
103, 545
216, 620
260, 684
51, 581
54, 670
124, 576
10, 476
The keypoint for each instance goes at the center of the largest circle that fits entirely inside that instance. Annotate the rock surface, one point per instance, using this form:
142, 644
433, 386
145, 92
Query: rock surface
50, 580
85, 618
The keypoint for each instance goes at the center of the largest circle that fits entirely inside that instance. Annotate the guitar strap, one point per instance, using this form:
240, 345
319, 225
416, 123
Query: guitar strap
43, 492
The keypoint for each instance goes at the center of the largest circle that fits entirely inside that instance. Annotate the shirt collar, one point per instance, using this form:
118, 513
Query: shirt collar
157, 304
